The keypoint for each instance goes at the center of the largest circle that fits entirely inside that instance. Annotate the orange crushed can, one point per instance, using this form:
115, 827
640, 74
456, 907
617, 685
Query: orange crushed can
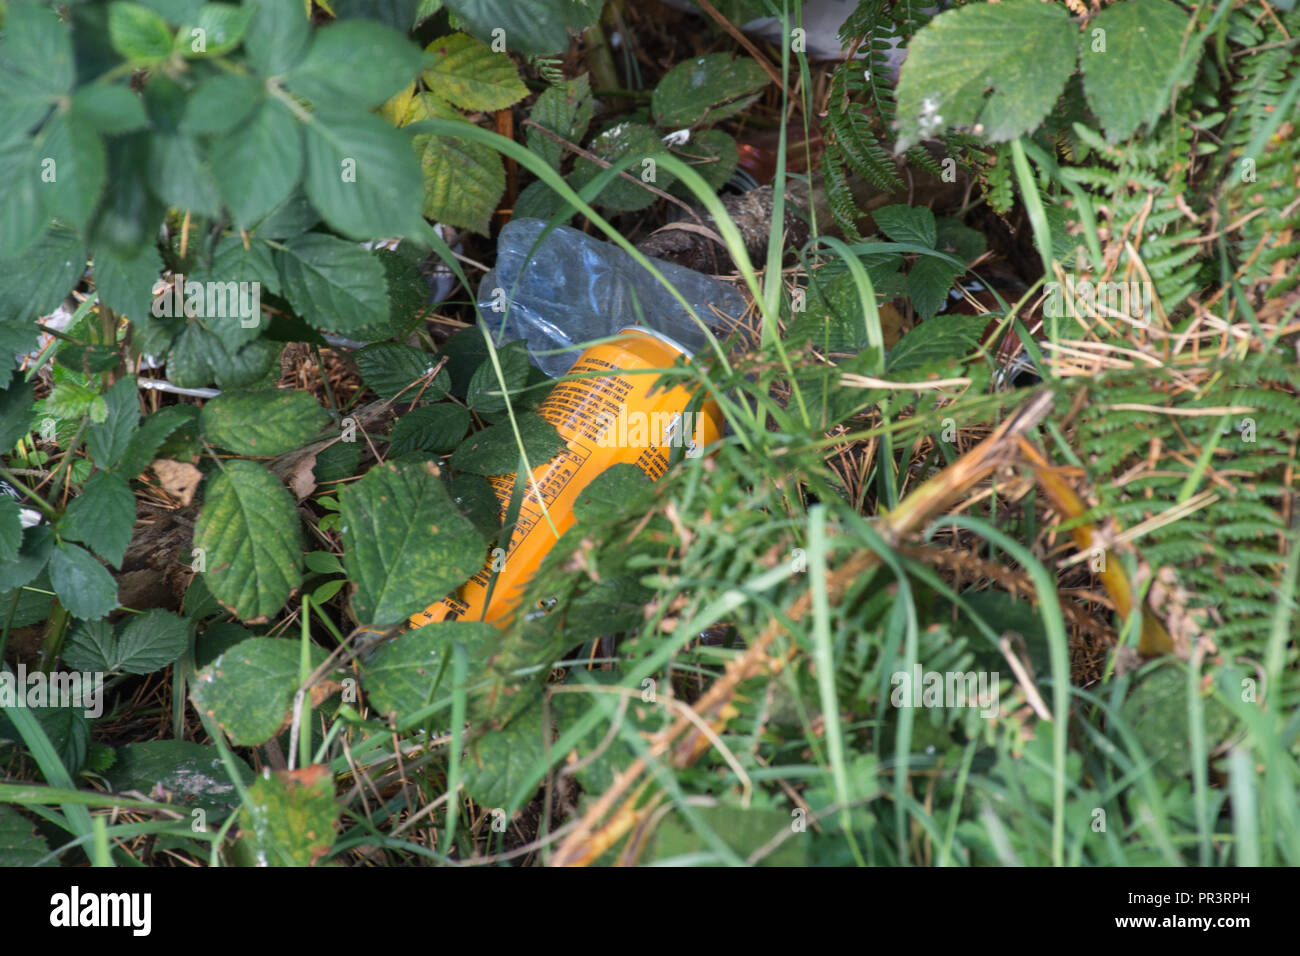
607, 420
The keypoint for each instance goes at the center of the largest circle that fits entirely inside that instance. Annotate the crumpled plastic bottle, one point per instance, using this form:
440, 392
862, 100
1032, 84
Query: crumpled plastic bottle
574, 289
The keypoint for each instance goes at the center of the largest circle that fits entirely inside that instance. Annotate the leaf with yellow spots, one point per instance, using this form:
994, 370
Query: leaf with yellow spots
289, 818
249, 689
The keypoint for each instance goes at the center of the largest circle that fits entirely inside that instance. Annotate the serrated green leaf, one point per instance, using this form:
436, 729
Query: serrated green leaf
21, 844
22, 209
264, 423
109, 108
468, 74
220, 103
390, 367
278, 35
126, 285
34, 283
434, 428
529, 26
102, 517
199, 358
938, 340
362, 175
222, 26
73, 169
289, 818
36, 62
928, 282
710, 88
609, 493
191, 776
493, 451
403, 675
83, 585
1020, 50
248, 528
616, 143
38, 542
404, 542
566, 110
179, 175
904, 223
249, 688
333, 284
713, 154
270, 142
147, 438
138, 33
1126, 76
501, 759
108, 440
11, 530
463, 180
16, 402
484, 394
355, 62
141, 644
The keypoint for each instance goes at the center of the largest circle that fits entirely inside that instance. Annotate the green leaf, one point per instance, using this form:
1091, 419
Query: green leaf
129, 216
502, 759
610, 492
389, 367
109, 108
936, 341
355, 63
102, 517
21, 844
36, 63
1126, 76
493, 451
529, 26
995, 68
405, 543
616, 143
220, 103
468, 74
83, 585
434, 428
708, 88
248, 528
146, 439
743, 830
484, 394
928, 282
232, 262
16, 402
138, 33
179, 175
222, 26
264, 423
289, 818
73, 169
34, 283
38, 542
337, 462
199, 358
11, 533
904, 223
248, 689
126, 285
463, 180
333, 284
21, 207
566, 110
270, 142
403, 675
108, 440
278, 36
362, 175
141, 644
217, 638
713, 154
189, 775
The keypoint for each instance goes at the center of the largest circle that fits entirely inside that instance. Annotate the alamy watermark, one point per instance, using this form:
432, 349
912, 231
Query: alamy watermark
1077, 296
56, 689
189, 298
650, 430
922, 688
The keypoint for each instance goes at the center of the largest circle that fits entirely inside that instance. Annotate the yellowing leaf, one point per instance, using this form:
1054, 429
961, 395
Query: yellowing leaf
467, 73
